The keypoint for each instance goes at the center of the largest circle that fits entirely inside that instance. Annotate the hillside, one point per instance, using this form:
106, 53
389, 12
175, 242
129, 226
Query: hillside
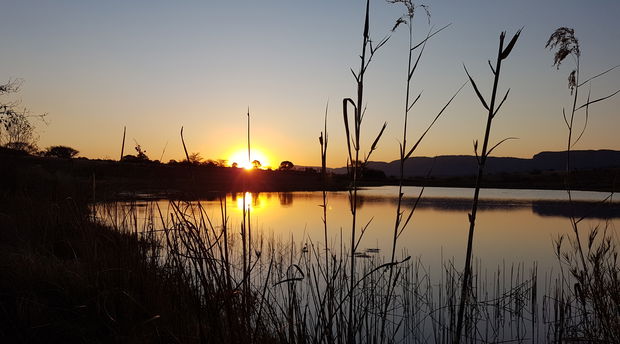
466, 165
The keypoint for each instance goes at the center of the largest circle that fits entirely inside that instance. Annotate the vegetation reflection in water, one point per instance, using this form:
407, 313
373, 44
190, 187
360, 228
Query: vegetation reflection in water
515, 227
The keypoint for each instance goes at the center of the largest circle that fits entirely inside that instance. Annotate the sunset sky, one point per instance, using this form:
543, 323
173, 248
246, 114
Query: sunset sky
154, 66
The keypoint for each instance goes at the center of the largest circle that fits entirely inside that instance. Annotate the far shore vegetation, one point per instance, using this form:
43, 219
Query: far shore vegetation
116, 178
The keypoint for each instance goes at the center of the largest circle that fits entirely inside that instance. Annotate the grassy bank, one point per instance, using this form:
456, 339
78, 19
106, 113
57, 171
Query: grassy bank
65, 278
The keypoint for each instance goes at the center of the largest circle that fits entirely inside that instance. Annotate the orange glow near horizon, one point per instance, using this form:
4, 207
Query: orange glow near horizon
241, 158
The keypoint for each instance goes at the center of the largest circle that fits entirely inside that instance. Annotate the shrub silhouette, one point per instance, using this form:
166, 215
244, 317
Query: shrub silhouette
62, 152
286, 165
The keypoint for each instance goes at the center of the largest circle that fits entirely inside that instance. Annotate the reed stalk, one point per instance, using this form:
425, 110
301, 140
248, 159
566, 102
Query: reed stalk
184, 147
401, 222
329, 292
568, 45
595, 271
123, 144
354, 162
502, 54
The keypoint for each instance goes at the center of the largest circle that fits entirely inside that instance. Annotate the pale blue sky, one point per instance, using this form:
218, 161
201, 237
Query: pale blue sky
95, 66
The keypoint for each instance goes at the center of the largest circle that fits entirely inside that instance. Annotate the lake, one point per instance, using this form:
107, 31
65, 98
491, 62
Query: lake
513, 226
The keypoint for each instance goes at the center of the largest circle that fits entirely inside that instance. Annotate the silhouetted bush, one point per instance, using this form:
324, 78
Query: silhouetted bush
286, 165
62, 152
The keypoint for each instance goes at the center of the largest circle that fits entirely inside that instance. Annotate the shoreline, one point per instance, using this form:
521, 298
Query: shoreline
113, 180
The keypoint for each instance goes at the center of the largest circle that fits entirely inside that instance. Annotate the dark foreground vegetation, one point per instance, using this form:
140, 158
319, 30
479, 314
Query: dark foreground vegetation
65, 278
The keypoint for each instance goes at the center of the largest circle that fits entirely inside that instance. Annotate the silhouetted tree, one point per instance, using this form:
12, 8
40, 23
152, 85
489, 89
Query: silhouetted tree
195, 158
62, 152
141, 153
24, 147
16, 130
139, 157
234, 165
286, 165
7, 110
256, 164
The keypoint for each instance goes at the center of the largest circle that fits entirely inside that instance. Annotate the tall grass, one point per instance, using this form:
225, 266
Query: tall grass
587, 302
400, 222
355, 162
492, 109
326, 311
290, 289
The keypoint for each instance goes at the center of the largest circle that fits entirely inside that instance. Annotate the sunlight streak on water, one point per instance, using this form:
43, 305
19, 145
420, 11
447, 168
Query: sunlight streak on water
245, 201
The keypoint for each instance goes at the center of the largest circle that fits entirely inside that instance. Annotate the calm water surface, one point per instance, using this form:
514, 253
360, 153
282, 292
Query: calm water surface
513, 226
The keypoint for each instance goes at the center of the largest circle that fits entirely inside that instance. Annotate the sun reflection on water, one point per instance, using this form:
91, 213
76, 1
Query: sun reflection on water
252, 201
244, 201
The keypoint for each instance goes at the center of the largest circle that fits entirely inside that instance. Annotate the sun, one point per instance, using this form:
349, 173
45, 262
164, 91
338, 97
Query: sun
241, 158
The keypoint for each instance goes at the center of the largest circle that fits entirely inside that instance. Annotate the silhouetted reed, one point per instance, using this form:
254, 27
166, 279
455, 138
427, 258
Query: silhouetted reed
492, 109
354, 164
586, 299
123, 144
294, 297
401, 222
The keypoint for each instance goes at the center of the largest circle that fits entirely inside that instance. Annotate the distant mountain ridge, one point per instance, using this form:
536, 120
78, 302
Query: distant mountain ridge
466, 165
